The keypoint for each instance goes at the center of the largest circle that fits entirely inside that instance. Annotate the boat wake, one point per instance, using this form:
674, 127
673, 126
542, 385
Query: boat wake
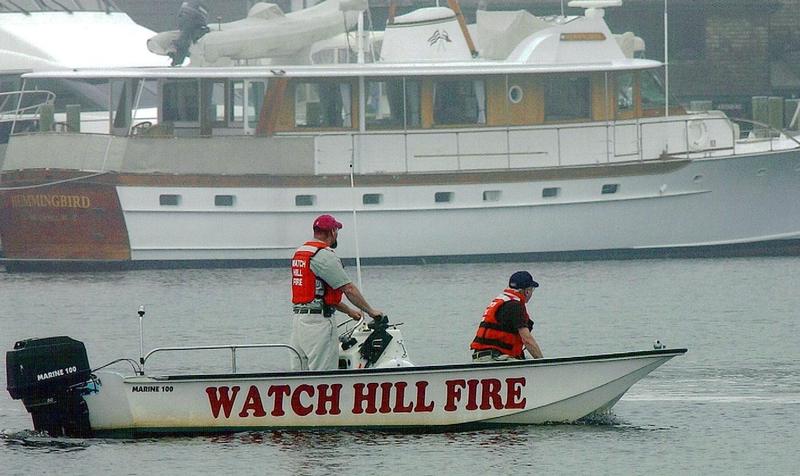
792, 399
40, 440
606, 418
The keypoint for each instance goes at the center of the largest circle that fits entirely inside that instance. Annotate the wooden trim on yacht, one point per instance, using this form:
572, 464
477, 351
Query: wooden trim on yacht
426, 102
602, 97
502, 111
389, 180
74, 221
274, 100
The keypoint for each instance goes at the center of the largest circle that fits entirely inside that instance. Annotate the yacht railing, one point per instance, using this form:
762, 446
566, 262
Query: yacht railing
16, 106
765, 133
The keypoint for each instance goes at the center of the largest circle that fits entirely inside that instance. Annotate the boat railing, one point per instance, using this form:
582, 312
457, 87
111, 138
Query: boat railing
233, 348
17, 106
760, 132
22, 103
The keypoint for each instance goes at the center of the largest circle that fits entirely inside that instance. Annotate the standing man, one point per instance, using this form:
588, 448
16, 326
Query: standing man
318, 283
505, 330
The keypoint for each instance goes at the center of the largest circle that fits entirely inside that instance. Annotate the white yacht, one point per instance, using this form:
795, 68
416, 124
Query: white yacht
519, 137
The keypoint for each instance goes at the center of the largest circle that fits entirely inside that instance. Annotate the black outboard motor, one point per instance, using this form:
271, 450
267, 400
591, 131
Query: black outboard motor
49, 375
193, 24
373, 346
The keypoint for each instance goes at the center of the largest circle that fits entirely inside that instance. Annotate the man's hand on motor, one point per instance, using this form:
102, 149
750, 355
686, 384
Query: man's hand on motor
354, 314
375, 314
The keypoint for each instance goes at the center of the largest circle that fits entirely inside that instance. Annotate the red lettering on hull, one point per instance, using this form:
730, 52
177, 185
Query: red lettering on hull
422, 407
368, 398
279, 391
400, 405
514, 386
252, 404
328, 401
365, 394
488, 391
220, 399
297, 406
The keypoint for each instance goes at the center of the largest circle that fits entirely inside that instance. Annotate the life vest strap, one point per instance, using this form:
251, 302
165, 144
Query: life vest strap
493, 342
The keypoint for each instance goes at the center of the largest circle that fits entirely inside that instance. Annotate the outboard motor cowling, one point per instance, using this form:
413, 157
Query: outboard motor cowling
49, 376
192, 24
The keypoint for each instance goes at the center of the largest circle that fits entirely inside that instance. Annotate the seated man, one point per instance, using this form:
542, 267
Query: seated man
505, 330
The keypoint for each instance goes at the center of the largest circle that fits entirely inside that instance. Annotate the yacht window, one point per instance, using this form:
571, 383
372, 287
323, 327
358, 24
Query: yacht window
460, 101
216, 104
652, 91
443, 197
551, 192
625, 100
515, 94
169, 200
322, 104
491, 196
255, 99
91, 95
305, 200
181, 100
567, 97
386, 102
223, 200
236, 100
610, 188
372, 199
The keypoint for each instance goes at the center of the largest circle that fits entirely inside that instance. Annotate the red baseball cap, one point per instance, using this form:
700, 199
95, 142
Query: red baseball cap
326, 223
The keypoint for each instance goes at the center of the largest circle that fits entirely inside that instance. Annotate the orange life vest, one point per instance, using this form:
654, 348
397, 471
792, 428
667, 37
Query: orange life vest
305, 288
492, 335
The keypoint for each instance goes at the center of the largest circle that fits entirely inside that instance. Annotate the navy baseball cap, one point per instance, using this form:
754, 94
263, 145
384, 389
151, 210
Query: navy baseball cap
522, 280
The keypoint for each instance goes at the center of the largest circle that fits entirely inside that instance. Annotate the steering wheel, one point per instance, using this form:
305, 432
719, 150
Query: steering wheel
140, 127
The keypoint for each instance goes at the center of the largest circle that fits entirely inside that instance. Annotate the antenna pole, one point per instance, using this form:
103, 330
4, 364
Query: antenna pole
360, 37
141, 338
355, 219
666, 59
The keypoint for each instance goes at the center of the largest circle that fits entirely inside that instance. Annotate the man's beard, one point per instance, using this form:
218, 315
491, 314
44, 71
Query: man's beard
335, 244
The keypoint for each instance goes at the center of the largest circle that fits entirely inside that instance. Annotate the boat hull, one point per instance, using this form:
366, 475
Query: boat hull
742, 205
429, 398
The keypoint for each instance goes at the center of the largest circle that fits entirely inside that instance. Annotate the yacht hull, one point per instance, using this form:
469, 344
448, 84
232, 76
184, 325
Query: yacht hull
739, 205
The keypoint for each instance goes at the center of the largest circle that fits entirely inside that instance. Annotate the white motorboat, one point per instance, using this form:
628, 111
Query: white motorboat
376, 387
551, 129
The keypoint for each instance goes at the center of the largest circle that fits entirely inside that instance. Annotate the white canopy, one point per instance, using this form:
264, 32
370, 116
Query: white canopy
81, 39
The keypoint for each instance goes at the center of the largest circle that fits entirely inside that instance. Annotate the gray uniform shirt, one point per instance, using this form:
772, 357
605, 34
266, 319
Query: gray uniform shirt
328, 267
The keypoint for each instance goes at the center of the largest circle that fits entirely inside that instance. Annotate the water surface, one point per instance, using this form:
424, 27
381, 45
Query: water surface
730, 405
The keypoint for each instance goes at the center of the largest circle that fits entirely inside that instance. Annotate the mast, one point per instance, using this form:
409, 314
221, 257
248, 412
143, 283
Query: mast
454, 5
